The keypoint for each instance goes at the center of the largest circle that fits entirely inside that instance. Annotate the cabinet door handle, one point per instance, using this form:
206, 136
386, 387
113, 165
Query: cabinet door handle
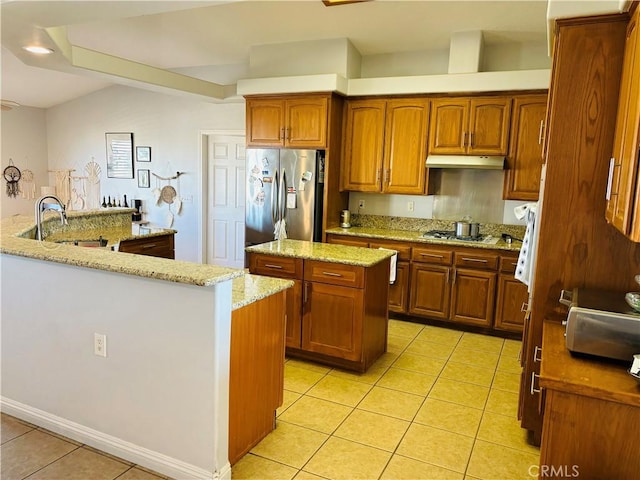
282, 133
536, 357
448, 275
464, 139
477, 260
332, 274
270, 265
471, 139
612, 165
305, 292
378, 175
387, 176
540, 132
524, 307
431, 255
534, 390
455, 272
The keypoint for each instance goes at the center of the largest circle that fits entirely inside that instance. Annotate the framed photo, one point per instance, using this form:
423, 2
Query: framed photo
143, 154
119, 155
143, 178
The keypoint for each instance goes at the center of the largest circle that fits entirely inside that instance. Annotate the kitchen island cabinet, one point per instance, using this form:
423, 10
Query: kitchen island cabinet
385, 145
342, 313
591, 413
469, 126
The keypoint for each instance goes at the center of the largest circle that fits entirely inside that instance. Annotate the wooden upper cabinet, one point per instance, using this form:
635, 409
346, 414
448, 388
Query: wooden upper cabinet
470, 126
385, 145
524, 162
291, 122
405, 146
623, 189
363, 145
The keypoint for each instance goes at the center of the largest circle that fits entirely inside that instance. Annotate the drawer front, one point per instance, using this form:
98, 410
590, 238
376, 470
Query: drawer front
432, 255
403, 249
508, 264
334, 273
485, 261
160, 246
274, 266
347, 240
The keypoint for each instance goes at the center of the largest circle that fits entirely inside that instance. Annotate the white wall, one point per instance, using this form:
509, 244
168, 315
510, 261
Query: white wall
170, 125
159, 398
24, 140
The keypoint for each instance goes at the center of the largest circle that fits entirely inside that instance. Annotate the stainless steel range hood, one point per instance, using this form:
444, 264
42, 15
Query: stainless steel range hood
465, 161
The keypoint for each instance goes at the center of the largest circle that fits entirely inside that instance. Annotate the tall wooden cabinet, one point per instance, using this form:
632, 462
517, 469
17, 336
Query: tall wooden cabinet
385, 145
576, 247
469, 126
524, 162
623, 189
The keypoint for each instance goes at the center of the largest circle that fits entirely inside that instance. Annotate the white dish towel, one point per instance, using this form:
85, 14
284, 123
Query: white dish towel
526, 258
394, 265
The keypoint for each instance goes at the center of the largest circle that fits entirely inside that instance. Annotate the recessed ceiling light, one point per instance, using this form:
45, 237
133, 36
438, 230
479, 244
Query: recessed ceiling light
38, 49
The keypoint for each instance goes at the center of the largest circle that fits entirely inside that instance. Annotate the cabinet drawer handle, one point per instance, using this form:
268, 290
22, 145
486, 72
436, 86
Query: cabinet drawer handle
153, 245
269, 265
471, 139
431, 255
287, 133
331, 274
477, 260
536, 357
534, 390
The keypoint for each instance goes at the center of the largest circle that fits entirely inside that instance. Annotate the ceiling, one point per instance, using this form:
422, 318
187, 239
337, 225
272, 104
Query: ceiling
200, 38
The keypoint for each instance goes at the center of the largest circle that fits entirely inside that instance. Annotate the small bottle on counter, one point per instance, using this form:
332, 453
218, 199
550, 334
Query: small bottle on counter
109, 205
125, 202
104, 202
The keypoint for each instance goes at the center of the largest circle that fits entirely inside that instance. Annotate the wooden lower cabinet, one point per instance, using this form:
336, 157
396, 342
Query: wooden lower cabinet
256, 372
398, 290
332, 320
510, 304
153, 246
472, 297
430, 291
336, 313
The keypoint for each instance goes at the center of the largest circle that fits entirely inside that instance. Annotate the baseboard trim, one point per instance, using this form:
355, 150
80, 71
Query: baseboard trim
155, 461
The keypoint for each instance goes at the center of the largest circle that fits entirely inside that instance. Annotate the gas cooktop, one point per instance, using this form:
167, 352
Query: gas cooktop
451, 235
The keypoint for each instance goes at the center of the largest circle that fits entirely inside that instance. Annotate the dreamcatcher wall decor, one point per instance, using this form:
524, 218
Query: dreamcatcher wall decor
169, 195
92, 169
12, 176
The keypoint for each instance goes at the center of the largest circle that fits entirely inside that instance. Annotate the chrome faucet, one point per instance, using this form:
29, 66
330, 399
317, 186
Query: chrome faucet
54, 204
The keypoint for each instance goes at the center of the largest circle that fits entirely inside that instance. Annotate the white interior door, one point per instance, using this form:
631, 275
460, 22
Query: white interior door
225, 200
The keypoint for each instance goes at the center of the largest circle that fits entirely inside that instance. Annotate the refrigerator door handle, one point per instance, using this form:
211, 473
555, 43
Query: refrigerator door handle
275, 200
283, 195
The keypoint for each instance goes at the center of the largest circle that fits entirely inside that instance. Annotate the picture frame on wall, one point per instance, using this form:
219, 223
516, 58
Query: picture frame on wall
143, 154
119, 154
143, 178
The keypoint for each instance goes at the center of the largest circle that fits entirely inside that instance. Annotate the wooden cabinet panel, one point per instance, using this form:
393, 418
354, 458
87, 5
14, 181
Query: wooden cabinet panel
334, 273
385, 145
405, 146
156, 246
430, 291
489, 126
363, 145
470, 126
275, 266
448, 129
398, 290
346, 240
403, 249
256, 372
332, 320
524, 162
510, 302
293, 330
623, 192
473, 296
287, 121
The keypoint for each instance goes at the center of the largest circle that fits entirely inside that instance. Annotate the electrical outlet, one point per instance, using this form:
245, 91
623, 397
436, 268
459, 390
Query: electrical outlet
100, 344
361, 204
410, 206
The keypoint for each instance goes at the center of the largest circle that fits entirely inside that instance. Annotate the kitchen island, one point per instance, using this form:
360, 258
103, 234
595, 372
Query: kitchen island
159, 396
338, 311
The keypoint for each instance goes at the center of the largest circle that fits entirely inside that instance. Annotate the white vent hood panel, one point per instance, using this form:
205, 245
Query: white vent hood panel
483, 162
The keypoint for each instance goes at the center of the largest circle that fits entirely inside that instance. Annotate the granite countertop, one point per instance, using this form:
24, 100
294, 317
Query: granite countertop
416, 237
251, 288
364, 257
17, 238
113, 235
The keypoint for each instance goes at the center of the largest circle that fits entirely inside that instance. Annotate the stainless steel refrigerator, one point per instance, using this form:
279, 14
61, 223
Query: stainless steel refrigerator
284, 195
